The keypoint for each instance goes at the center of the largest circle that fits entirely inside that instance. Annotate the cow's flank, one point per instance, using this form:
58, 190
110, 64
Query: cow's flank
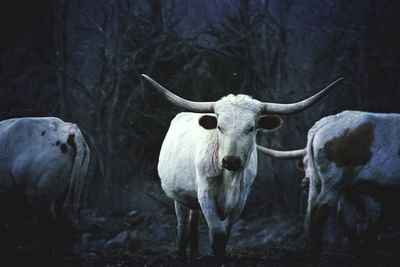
352, 148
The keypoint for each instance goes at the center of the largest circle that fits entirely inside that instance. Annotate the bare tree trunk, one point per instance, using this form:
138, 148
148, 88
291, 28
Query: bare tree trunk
60, 40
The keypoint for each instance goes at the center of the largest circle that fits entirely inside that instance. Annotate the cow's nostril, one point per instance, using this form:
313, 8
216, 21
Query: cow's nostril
231, 159
232, 163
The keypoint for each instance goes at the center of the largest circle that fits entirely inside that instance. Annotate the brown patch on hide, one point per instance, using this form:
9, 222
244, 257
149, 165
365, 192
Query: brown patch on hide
71, 142
63, 148
352, 148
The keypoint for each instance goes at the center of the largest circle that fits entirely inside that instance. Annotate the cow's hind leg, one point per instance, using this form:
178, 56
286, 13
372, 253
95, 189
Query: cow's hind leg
348, 210
325, 203
194, 232
373, 222
182, 216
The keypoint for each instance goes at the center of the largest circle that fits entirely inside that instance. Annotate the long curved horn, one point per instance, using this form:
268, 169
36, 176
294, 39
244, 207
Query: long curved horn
179, 101
275, 108
293, 154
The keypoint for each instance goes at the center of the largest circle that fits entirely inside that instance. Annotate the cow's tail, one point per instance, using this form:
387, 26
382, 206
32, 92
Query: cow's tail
311, 173
81, 156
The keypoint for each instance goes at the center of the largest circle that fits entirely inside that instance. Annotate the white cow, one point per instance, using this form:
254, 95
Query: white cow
45, 158
348, 155
208, 161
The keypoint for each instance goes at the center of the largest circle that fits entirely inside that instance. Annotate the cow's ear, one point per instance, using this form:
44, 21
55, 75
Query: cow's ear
269, 122
300, 164
208, 122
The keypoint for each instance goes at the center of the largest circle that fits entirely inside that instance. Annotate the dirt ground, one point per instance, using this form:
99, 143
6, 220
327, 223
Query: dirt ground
138, 239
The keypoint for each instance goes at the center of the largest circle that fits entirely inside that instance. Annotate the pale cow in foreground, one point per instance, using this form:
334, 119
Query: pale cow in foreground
209, 161
348, 155
45, 158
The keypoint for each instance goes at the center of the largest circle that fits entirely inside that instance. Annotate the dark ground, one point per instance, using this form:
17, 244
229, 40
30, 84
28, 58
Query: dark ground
147, 239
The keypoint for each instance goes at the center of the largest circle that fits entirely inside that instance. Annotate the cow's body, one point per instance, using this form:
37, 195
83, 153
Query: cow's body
352, 153
189, 162
44, 158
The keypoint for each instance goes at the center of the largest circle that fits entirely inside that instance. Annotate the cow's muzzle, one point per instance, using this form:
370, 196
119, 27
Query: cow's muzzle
232, 163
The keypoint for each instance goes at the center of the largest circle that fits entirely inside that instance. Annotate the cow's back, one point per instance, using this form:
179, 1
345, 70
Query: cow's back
359, 146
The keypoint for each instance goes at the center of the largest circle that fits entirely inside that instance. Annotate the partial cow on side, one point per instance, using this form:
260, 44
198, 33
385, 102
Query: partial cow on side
358, 215
208, 161
348, 155
45, 159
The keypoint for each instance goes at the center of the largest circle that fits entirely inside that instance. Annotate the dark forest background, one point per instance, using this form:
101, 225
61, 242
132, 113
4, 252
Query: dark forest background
81, 61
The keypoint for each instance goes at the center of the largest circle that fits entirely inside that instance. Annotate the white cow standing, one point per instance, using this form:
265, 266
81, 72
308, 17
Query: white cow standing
348, 155
46, 159
208, 161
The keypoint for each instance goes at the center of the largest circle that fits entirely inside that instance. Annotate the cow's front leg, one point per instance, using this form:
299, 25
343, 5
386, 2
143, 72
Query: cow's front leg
218, 229
219, 240
194, 232
182, 217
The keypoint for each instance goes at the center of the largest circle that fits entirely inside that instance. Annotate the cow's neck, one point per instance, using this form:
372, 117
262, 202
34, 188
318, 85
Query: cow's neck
230, 191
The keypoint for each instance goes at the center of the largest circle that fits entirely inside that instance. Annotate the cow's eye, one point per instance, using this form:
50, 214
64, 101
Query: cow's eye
251, 129
219, 129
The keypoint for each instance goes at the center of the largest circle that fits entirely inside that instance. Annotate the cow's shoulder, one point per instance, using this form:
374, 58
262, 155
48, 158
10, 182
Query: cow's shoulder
189, 123
187, 118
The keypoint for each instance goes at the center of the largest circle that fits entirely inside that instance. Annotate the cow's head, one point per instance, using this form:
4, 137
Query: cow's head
236, 118
236, 121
